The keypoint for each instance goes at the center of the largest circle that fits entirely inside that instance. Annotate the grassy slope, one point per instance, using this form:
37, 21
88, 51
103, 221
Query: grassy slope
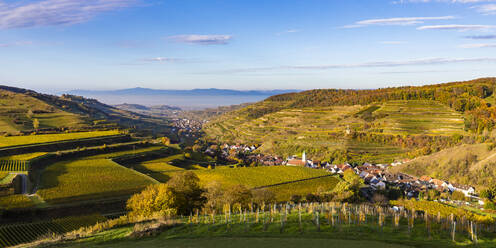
321, 130
240, 242
15, 106
90, 178
466, 164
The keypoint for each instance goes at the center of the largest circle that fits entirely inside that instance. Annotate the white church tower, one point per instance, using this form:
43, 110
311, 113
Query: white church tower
304, 157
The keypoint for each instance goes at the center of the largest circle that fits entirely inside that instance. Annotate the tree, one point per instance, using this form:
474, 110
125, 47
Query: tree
296, 198
261, 196
30, 114
214, 195
166, 141
238, 194
457, 196
154, 199
36, 124
189, 194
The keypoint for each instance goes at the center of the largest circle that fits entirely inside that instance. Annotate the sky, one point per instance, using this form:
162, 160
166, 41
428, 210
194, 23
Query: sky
57, 45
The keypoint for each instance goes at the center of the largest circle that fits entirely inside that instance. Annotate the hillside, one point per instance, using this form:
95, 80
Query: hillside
362, 125
20, 109
466, 164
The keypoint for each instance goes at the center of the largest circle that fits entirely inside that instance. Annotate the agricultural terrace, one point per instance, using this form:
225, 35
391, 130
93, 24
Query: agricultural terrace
419, 117
17, 112
285, 191
253, 177
6, 177
24, 157
91, 178
163, 168
45, 138
15, 201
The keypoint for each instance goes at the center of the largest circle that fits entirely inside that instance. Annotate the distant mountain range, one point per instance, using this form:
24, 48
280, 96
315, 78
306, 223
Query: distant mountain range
186, 99
211, 92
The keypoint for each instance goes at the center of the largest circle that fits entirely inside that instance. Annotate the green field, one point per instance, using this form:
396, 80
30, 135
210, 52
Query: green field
91, 178
44, 138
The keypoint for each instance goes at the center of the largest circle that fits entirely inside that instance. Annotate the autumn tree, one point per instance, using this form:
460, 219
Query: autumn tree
154, 199
188, 192
36, 124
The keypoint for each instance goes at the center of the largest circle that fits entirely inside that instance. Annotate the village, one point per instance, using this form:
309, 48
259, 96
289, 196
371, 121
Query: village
376, 176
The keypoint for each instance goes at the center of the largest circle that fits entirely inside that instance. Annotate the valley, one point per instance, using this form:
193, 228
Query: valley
315, 164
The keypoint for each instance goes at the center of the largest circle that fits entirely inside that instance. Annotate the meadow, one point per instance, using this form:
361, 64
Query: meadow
46, 138
92, 177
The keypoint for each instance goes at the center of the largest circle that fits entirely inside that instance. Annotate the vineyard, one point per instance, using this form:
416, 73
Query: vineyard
45, 138
330, 221
14, 165
257, 176
91, 177
15, 234
15, 201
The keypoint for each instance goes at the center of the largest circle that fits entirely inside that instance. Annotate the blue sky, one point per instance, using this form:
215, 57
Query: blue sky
54, 45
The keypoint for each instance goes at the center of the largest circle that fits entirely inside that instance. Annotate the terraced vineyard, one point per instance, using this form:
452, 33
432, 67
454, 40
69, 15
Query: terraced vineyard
93, 177
11, 235
419, 117
44, 138
322, 131
14, 165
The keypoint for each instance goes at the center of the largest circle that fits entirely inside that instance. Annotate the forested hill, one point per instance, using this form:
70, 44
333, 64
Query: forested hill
364, 124
24, 111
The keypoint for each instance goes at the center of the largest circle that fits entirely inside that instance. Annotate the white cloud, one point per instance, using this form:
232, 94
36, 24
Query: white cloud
54, 12
211, 39
398, 21
392, 42
17, 43
289, 31
376, 64
459, 27
487, 9
162, 59
481, 37
479, 45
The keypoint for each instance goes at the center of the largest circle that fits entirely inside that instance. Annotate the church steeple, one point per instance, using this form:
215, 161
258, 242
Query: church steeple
304, 157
